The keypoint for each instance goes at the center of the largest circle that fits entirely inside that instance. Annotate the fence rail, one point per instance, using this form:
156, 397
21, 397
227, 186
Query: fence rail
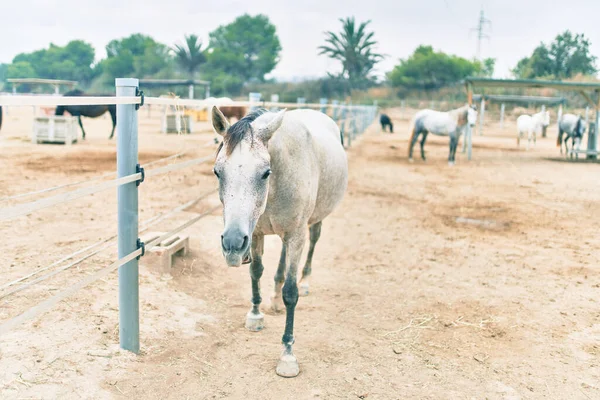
351, 119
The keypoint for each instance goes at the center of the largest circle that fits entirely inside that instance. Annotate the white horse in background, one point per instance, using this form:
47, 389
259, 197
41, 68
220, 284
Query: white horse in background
450, 123
532, 125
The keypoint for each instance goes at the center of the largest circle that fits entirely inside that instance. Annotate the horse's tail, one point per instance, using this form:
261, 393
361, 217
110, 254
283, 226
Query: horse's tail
559, 138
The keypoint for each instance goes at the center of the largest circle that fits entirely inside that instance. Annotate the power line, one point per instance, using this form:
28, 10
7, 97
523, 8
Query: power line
480, 32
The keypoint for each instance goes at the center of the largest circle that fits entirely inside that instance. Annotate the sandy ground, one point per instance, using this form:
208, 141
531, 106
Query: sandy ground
478, 281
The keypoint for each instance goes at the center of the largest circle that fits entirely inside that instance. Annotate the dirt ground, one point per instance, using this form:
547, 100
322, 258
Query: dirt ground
478, 281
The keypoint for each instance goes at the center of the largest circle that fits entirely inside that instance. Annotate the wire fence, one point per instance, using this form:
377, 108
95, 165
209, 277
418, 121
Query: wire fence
352, 120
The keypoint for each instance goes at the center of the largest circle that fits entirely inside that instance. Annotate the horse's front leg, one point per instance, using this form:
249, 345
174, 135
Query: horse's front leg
288, 364
452, 151
423, 139
255, 319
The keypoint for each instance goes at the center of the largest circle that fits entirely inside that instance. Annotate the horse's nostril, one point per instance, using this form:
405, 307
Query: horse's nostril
245, 242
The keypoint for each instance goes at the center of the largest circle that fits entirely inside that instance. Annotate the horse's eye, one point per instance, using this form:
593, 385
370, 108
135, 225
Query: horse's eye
216, 173
266, 174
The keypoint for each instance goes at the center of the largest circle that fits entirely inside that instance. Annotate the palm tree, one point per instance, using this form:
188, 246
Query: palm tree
190, 56
354, 48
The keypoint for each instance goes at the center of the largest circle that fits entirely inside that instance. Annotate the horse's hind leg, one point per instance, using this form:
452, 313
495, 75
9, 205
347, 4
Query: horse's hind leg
276, 297
413, 140
81, 125
113, 117
315, 234
255, 320
423, 145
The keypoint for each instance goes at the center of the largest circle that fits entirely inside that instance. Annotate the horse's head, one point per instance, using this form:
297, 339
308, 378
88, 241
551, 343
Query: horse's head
545, 118
580, 127
60, 110
243, 167
471, 116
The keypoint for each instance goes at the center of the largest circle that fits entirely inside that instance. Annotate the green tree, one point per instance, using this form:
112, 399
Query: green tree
136, 55
488, 67
20, 69
247, 49
75, 61
190, 56
354, 47
428, 69
567, 56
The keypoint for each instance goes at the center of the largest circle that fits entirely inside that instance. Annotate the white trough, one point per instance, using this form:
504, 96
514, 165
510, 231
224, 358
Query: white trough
55, 129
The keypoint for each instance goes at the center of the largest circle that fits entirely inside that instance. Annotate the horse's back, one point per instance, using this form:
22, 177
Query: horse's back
524, 122
436, 122
314, 158
567, 122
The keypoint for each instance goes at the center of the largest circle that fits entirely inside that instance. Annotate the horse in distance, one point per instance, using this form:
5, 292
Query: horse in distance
570, 126
532, 125
441, 123
279, 173
91, 111
385, 121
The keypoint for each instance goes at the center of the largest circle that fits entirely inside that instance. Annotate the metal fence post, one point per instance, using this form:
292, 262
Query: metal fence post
254, 99
502, 116
274, 99
301, 101
323, 102
482, 112
127, 195
336, 111
343, 113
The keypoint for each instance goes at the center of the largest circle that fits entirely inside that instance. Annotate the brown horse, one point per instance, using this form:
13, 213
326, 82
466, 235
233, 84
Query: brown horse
233, 111
92, 111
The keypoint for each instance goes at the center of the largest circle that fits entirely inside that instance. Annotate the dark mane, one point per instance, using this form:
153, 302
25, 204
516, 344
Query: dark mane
237, 132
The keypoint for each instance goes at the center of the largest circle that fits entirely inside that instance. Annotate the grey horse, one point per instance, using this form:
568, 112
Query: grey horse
449, 123
280, 173
573, 126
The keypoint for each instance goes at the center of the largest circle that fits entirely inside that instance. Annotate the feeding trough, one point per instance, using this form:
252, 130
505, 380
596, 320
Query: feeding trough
54, 129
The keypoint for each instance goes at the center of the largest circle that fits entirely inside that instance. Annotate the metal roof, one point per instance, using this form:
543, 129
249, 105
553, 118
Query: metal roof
532, 83
172, 82
501, 98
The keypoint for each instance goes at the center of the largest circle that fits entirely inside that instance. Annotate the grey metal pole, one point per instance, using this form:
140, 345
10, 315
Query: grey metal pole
544, 129
469, 140
127, 159
587, 115
191, 91
323, 102
502, 116
481, 116
343, 124
336, 110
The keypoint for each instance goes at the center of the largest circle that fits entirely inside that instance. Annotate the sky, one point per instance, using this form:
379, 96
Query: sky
517, 26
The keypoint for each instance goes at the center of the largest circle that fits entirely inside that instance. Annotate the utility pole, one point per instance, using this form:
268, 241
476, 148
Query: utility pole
480, 32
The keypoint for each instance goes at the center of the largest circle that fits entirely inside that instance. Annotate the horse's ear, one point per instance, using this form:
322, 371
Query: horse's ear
266, 132
219, 122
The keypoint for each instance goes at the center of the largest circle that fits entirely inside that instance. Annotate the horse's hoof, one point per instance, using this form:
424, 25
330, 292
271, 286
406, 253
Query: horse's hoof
410, 160
303, 289
287, 366
277, 305
451, 163
255, 322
